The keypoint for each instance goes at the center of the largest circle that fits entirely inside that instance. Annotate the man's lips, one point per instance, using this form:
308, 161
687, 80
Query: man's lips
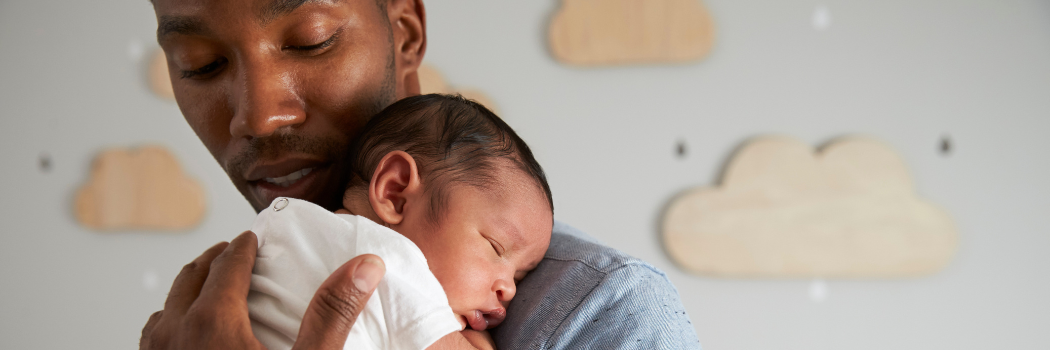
301, 178
288, 180
280, 169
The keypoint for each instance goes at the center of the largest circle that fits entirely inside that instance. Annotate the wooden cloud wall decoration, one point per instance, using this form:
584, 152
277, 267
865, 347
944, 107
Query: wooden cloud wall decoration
141, 188
431, 81
619, 32
785, 211
158, 78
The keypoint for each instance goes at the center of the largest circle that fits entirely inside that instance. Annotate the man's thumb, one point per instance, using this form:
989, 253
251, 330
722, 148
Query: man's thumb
338, 302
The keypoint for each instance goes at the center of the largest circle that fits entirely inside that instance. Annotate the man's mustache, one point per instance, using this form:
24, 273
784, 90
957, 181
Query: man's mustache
272, 147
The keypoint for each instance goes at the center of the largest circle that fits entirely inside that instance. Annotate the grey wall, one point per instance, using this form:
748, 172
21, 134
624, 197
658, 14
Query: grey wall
907, 72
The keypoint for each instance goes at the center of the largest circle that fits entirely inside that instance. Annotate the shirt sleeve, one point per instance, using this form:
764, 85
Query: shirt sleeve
301, 244
633, 307
584, 295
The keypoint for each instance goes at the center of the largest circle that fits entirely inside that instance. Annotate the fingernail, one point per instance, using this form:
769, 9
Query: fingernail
368, 274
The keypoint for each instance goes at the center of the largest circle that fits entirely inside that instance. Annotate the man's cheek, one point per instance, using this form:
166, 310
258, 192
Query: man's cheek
213, 136
352, 82
210, 120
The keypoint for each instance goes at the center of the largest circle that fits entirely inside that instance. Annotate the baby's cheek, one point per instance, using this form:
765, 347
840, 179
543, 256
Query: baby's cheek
450, 278
468, 287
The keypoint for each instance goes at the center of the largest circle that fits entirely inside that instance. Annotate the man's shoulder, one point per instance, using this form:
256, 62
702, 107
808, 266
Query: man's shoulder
571, 245
585, 294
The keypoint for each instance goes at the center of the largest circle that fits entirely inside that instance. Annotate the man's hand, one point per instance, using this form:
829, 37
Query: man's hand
467, 339
479, 339
207, 307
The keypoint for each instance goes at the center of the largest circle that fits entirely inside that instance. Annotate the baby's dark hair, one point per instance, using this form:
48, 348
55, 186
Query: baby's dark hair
452, 139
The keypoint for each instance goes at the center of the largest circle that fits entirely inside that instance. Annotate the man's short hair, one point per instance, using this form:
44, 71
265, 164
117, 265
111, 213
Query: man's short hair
453, 140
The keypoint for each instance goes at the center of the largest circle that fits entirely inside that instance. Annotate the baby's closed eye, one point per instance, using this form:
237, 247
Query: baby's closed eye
496, 246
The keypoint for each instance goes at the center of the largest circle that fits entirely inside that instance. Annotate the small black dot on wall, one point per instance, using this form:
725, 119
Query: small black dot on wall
680, 149
946, 145
45, 162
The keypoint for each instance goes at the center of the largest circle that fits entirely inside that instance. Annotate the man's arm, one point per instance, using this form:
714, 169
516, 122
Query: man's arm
467, 339
207, 306
634, 307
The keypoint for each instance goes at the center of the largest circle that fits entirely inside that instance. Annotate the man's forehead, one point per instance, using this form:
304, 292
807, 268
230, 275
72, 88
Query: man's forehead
183, 19
272, 9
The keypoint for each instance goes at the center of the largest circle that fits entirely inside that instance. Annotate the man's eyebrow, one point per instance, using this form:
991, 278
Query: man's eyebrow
278, 8
169, 25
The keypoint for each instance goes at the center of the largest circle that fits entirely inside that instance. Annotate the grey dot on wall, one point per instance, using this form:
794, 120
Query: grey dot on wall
946, 145
680, 149
45, 162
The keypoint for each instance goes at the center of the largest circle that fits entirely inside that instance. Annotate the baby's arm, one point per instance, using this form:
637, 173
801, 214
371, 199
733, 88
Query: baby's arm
466, 339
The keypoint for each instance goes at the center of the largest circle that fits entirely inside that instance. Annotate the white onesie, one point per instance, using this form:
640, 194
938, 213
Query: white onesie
301, 244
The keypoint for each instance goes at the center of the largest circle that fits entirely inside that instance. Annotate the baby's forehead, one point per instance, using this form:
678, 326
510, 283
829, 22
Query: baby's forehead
518, 211
530, 234
508, 179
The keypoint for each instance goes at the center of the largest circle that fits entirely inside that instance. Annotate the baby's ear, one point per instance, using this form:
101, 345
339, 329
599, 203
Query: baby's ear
394, 183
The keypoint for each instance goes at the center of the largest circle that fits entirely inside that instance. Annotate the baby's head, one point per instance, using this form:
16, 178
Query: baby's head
452, 177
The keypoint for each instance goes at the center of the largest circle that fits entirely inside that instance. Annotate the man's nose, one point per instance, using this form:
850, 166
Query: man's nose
265, 99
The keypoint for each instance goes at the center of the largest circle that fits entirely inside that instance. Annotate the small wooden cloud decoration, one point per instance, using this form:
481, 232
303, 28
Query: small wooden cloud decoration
157, 75
143, 189
431, 81
618, 32
783, 211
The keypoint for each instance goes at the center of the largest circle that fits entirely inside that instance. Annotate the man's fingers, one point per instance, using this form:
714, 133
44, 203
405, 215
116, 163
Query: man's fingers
147, 330
230, 274
188, 283
338, 302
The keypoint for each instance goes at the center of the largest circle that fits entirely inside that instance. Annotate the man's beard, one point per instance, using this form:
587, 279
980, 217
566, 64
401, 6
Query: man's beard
273, 146
331, 149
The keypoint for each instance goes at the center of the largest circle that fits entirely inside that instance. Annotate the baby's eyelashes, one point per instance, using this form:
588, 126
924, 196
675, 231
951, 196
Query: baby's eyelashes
496, 246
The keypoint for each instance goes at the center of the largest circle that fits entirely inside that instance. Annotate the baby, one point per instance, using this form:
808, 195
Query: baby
451, 199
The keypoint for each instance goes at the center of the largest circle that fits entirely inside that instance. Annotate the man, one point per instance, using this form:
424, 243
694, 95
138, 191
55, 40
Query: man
276, 89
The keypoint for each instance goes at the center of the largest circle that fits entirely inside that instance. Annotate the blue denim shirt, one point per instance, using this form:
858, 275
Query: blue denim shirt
584, 295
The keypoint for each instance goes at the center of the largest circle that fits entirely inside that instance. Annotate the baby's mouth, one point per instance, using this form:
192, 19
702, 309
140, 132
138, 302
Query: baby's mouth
480, 321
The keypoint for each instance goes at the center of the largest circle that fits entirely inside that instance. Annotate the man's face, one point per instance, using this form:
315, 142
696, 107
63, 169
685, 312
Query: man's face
276, 89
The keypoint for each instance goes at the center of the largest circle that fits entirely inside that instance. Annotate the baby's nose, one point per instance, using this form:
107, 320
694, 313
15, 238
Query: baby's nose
505, 292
